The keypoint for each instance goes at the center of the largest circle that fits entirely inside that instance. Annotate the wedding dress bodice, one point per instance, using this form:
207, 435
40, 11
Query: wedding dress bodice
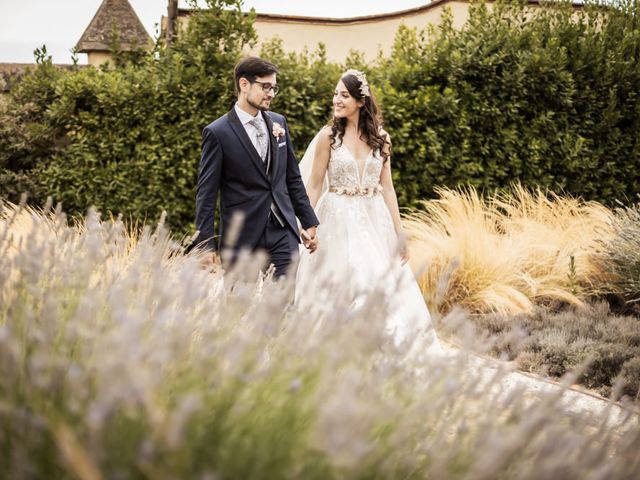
344, 171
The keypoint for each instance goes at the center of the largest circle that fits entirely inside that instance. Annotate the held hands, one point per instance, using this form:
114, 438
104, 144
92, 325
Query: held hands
210, 261
309, 238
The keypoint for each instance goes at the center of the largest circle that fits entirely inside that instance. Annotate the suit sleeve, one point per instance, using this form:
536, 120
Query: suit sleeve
207, 189
297, 191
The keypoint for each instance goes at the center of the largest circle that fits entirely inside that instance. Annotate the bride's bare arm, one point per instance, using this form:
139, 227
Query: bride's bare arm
390, 198
319, 167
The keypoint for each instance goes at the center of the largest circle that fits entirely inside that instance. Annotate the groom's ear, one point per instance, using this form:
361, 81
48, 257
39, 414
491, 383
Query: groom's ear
243, 84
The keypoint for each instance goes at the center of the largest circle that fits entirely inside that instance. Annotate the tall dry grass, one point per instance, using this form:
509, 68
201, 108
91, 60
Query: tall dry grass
620, 256
506, 252
124, 359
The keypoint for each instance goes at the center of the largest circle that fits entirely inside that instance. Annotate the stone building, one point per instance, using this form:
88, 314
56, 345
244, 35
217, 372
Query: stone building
368, 34
115, 21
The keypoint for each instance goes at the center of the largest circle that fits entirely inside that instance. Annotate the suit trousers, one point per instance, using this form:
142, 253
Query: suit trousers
280, 243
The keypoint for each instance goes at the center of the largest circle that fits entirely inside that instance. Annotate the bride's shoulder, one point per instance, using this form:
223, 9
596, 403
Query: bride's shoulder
324, 136
325, 131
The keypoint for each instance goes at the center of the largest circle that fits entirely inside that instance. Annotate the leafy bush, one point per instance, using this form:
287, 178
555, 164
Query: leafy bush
28, 137
549, 99
559, 341
127, 140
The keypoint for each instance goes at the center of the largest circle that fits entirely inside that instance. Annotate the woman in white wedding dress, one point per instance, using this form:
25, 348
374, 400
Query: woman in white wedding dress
361, 244
361, 247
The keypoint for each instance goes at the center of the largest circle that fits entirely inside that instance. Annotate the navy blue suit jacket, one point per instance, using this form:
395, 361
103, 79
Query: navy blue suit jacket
231, 165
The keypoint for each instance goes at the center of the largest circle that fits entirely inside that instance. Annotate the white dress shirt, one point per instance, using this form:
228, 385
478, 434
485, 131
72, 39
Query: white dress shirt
245, 118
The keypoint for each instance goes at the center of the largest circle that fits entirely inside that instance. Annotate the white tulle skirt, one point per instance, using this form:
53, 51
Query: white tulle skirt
356, 258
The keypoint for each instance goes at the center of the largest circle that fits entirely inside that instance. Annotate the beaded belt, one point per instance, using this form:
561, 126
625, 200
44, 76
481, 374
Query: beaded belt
357, 191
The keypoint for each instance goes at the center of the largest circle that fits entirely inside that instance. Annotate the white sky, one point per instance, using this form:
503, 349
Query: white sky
28, 24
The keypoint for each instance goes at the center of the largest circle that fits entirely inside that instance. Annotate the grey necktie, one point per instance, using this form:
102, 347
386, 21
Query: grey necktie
263, 141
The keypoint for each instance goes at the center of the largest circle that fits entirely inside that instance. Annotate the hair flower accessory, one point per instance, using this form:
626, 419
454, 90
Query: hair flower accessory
362, 78
278, 131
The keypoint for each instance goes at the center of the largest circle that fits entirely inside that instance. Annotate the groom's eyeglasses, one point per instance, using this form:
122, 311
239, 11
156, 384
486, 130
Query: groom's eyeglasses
266, 86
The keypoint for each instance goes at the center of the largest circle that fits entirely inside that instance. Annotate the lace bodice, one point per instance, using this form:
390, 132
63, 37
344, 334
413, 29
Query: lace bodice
344, 172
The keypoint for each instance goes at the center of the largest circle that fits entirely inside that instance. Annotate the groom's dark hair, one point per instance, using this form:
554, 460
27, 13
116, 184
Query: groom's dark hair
252, 68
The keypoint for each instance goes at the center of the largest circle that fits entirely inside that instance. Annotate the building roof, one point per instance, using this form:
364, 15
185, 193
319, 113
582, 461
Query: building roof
10, 73
118, 14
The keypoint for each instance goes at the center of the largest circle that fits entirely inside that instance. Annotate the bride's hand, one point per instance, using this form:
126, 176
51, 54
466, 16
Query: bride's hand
309, 239
403, 248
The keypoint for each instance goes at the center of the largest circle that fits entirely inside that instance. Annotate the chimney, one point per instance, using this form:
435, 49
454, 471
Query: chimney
172, 20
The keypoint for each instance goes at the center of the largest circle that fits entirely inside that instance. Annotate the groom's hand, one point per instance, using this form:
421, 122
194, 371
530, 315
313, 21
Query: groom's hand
309, 238
210, 261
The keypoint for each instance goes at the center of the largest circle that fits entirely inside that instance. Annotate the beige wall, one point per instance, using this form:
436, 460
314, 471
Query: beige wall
98, 58
368, 36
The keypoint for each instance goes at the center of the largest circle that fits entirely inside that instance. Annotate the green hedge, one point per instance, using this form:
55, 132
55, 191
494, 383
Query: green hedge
550, 100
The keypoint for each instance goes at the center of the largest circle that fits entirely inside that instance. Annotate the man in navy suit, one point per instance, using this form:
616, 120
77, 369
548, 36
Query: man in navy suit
247, 156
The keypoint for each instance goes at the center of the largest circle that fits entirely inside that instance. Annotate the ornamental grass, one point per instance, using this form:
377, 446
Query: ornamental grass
506, 252
619, 255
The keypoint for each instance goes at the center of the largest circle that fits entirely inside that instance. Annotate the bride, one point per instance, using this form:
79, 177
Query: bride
361, 244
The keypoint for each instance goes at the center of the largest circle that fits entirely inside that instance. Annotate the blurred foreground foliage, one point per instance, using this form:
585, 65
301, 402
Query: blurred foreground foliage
120, 357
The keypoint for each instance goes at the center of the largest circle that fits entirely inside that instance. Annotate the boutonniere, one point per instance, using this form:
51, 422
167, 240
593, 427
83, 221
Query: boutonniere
278, 131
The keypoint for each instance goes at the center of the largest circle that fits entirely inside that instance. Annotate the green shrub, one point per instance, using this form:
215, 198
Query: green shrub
28, 135
550, 100
126, 140
557, 342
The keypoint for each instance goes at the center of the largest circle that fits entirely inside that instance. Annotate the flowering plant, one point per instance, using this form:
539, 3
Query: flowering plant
327, 401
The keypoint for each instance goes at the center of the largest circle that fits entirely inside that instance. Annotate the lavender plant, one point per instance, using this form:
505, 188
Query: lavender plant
121, 358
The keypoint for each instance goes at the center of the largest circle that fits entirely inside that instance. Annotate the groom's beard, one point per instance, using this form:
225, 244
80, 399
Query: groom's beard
259, 106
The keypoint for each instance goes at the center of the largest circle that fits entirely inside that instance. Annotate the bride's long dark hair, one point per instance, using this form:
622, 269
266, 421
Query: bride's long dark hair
370, 120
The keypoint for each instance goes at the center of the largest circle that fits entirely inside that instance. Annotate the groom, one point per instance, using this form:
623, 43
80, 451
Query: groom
248, 157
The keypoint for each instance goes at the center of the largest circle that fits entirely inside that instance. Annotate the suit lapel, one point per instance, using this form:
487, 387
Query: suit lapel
273, 145
241, 133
